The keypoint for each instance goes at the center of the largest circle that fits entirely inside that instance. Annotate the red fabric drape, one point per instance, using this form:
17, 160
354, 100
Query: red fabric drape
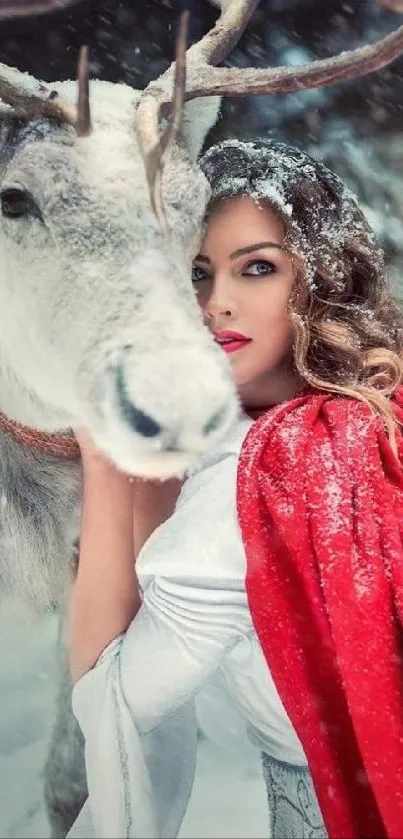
320, 506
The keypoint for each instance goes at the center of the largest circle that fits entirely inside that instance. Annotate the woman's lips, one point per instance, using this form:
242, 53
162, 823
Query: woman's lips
233, 345
231, 341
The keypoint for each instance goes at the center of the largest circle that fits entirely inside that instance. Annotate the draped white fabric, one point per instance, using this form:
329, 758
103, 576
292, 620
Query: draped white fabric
136, 708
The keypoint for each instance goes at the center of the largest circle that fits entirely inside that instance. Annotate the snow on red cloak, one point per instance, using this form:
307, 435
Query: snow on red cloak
320, 505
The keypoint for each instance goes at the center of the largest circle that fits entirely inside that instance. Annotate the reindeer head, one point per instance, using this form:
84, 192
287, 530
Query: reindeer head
98, 321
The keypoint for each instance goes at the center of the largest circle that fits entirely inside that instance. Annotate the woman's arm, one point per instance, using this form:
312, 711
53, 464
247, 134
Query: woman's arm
105, 594
119, 514
136, 706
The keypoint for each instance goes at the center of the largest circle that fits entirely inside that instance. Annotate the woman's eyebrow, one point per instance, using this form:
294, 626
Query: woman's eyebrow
256, 247
248, 249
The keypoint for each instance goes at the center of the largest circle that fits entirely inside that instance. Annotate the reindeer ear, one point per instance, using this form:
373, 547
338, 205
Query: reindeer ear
199, 116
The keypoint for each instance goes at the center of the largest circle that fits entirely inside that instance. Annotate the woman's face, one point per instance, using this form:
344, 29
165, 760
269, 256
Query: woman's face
243, 278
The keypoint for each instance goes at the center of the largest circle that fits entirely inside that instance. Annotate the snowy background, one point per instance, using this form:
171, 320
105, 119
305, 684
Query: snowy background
228, 801
356, 128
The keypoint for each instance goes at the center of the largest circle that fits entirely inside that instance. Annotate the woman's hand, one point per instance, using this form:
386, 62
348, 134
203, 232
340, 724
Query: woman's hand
153, 500
87, 445
92, 457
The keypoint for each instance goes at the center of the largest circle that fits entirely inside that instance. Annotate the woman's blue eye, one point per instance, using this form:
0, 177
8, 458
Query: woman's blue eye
199, 274
259, 268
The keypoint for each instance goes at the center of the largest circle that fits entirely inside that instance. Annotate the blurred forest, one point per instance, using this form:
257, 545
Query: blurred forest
355, 127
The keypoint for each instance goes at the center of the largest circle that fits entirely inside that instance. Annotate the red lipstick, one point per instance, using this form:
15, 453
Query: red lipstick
231, 341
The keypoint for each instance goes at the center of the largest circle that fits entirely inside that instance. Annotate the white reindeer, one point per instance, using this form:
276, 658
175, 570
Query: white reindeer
100, 218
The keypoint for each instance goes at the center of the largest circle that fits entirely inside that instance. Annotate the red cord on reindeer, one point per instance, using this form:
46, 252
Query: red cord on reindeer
320, 505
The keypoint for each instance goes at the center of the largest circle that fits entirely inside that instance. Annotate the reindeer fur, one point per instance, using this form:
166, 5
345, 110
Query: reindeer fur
86, 286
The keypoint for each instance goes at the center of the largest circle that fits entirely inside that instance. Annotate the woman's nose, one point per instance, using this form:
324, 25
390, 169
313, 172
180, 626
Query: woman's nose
211, 312
219, 303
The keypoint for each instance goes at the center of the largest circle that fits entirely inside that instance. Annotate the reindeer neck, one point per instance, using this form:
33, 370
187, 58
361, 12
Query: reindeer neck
30, 421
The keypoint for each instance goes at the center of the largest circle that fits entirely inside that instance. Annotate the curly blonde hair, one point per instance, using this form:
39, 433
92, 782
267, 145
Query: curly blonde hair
348, 325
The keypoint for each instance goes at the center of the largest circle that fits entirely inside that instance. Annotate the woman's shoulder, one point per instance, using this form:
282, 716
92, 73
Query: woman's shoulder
315, 425
319, 457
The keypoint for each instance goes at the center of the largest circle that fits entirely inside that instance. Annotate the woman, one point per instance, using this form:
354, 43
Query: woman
281, 565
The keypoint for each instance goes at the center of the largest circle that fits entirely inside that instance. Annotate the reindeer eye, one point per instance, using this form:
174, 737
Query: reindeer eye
16, 203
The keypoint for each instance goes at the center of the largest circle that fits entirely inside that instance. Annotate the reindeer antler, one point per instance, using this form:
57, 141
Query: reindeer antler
23, 8
31, 106
156, 97
153, 152
394, 5
203, 79
83, 116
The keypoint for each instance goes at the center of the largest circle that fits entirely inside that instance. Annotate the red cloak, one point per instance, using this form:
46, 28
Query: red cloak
320, 505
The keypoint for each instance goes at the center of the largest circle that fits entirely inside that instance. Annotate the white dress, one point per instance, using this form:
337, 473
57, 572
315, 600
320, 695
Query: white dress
136, 707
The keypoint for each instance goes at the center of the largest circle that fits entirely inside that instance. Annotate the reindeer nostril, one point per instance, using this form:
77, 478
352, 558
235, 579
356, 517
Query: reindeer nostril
142, 423
215, 421
137, 419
